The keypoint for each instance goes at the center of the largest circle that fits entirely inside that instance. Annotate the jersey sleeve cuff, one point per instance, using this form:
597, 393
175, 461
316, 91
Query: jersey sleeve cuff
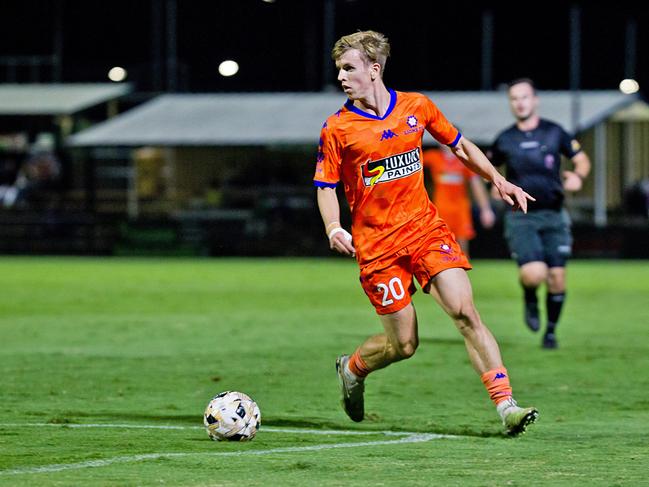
457, 139
324, 184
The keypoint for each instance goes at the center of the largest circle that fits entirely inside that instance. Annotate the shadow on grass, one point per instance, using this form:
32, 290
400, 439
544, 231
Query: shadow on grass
71, 417
112, 416
334, 425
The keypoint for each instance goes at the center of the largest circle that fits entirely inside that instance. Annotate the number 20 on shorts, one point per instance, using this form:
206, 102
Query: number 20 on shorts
394, 288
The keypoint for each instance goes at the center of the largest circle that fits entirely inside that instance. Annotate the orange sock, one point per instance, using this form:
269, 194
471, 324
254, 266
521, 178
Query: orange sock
357, 365
497, 383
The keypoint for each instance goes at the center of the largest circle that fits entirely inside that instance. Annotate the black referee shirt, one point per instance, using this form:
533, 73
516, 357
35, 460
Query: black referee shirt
533, 160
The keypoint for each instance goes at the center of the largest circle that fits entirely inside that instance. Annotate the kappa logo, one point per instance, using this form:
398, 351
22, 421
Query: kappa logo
500, 375
392, 167
387, 134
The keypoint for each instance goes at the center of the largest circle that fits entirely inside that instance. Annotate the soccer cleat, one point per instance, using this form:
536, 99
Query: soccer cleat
352, 391
516, 419
549, 341
532, 316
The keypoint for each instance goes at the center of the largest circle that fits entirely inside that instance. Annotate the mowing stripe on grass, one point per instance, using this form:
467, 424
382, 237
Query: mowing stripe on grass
406, 437
265, 429
416, 438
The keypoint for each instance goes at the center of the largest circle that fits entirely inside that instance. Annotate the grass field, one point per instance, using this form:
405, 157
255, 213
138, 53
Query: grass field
134, 349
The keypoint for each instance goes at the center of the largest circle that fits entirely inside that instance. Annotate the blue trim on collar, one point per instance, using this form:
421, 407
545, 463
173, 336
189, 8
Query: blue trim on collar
457, 139
349, 104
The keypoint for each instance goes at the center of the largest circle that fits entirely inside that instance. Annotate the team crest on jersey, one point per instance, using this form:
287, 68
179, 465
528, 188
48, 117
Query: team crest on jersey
576, 147
392, 167
413, 124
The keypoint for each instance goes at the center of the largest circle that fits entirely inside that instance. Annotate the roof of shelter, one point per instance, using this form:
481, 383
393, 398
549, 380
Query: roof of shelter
637, 111
56, 99
296, 118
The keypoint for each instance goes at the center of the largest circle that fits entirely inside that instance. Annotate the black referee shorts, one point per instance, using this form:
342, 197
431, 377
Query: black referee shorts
539, 236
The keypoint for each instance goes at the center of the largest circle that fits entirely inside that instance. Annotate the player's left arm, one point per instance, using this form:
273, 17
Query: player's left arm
481, 197
574, 180
473, 158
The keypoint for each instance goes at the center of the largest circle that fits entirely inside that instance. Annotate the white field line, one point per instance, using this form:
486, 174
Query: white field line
156, 456
406, 438
265, 429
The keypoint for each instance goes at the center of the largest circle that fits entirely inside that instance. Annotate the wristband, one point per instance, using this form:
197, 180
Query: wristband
332, 223
346, 234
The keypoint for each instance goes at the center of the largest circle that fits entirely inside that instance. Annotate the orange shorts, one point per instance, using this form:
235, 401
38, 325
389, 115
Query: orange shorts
388, 281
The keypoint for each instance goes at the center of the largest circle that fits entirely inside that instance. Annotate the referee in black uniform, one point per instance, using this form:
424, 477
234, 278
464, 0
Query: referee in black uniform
540, 240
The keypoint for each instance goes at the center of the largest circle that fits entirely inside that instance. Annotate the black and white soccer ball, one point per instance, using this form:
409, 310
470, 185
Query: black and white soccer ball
232, 416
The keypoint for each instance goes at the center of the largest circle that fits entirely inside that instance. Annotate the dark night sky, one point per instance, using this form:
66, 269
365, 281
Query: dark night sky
280, 45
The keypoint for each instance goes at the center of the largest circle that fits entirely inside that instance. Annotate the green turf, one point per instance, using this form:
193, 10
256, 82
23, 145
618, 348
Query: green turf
148, 342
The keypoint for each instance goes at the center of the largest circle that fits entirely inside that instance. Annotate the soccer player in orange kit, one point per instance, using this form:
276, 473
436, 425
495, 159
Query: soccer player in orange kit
450, 196
373, 145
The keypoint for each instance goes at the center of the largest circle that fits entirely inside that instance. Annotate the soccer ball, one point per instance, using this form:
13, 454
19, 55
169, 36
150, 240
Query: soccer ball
232, 416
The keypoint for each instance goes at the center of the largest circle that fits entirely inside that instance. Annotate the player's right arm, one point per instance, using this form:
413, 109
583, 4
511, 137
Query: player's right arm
339, 239
327, 175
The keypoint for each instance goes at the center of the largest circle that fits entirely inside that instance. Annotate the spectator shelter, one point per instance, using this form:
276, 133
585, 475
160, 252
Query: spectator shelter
64, 106
56, 99
37, 117
55, 110
177, 150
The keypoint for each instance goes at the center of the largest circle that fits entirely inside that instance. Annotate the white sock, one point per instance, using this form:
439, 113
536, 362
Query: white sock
349, 374
503, 407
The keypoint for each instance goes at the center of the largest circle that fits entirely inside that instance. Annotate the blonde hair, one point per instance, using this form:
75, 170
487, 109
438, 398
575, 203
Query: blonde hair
373, 46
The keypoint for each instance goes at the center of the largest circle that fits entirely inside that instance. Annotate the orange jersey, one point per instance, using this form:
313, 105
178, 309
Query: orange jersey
379, 161
449, 175
450, 195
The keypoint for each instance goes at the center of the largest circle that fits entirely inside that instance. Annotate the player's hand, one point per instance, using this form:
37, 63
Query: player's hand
571, 181
495, 194
340, 240
487, 218
513, 194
